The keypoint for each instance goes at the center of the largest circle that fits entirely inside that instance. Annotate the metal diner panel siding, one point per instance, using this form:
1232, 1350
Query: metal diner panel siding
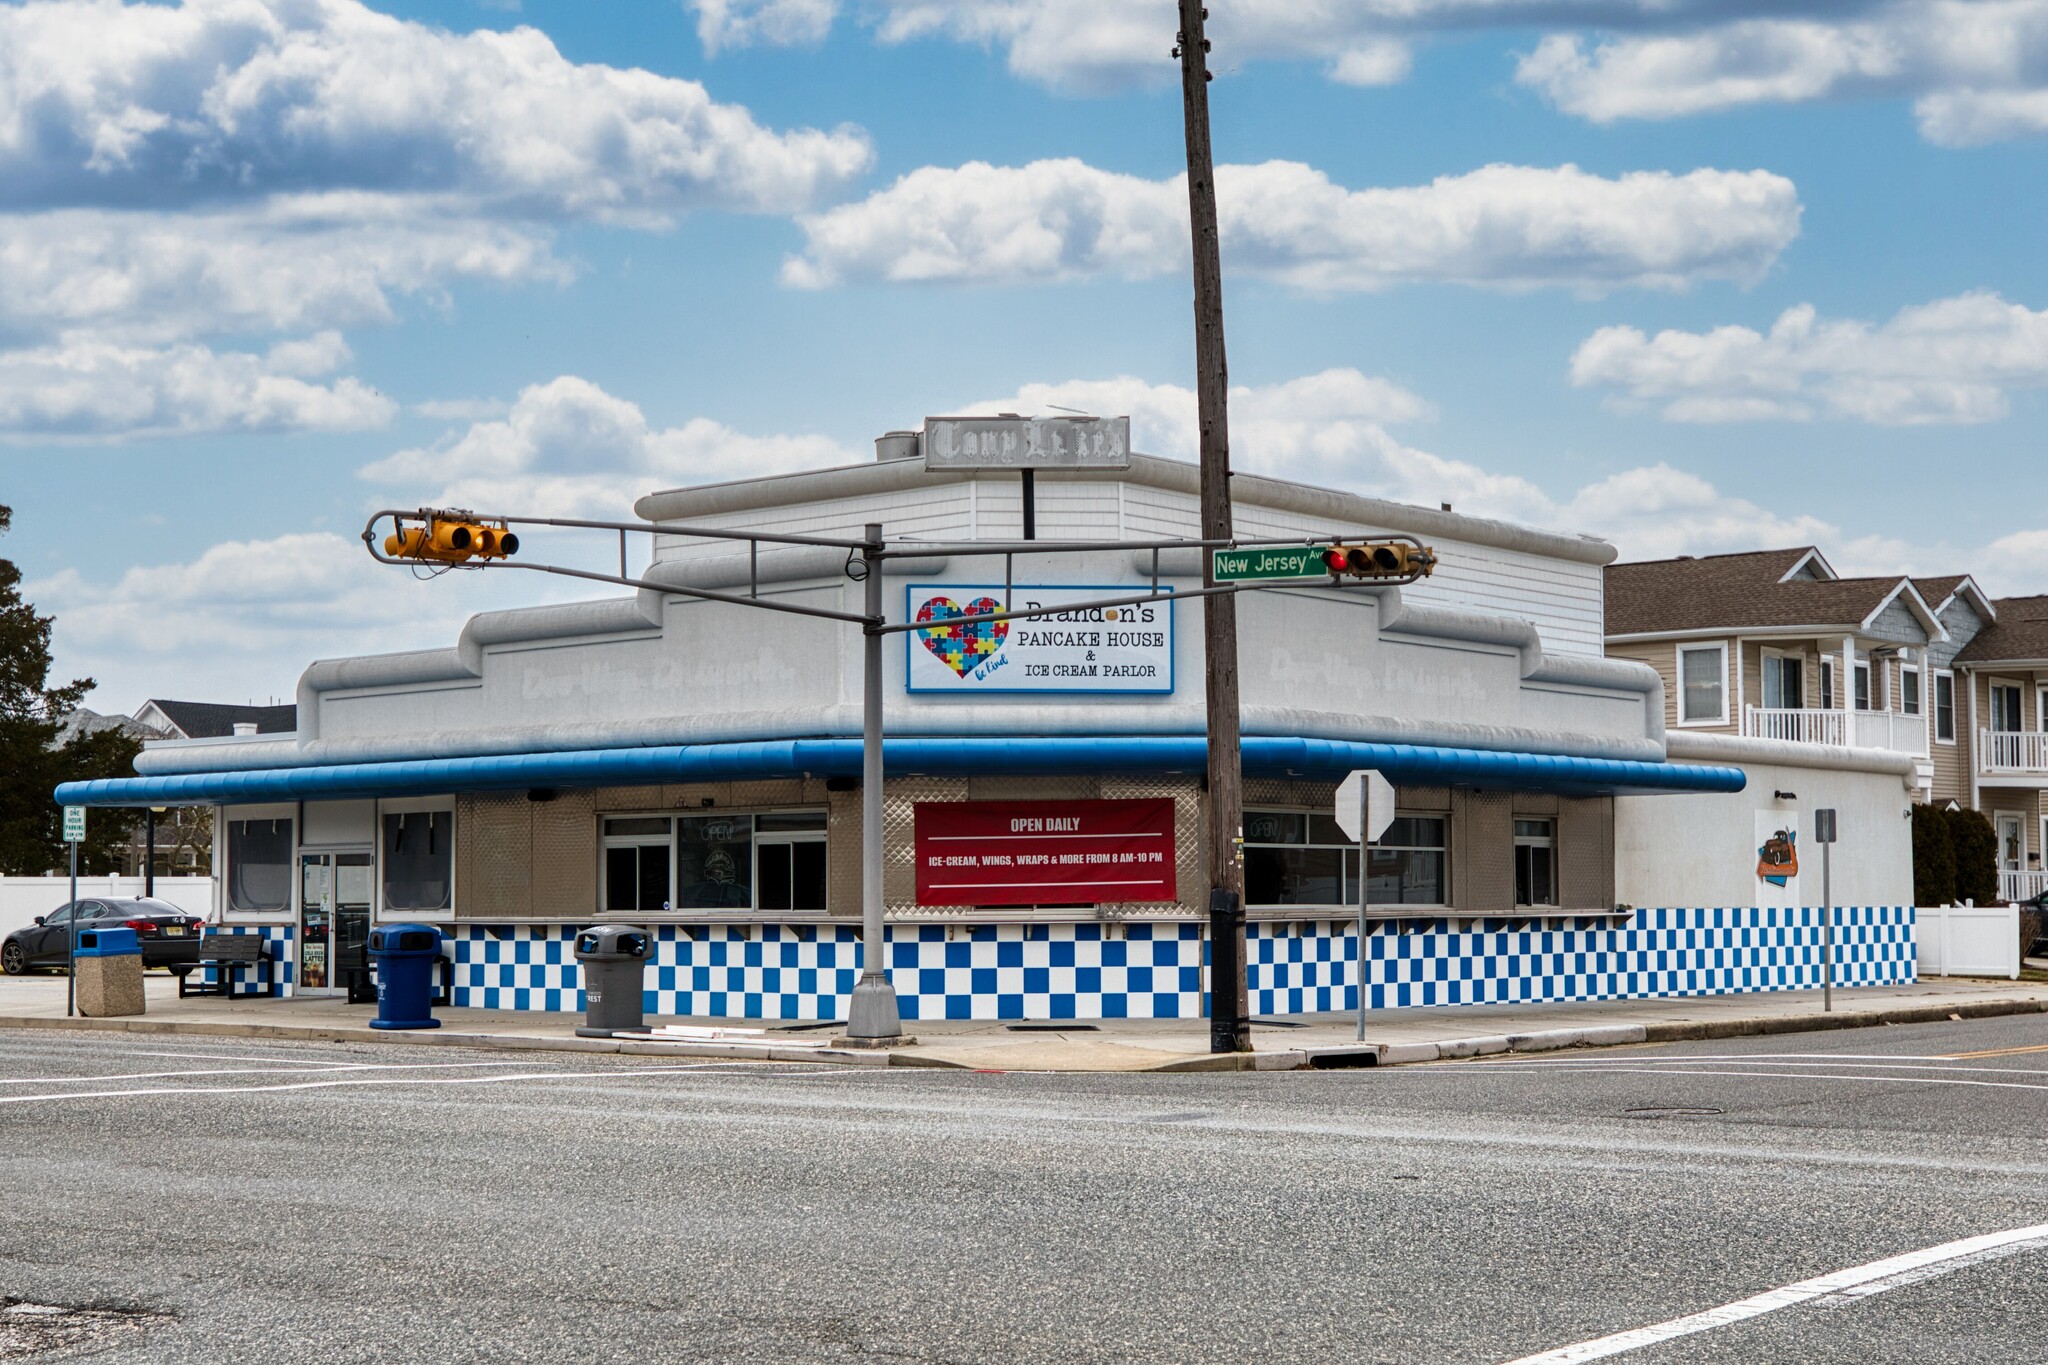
1402, 763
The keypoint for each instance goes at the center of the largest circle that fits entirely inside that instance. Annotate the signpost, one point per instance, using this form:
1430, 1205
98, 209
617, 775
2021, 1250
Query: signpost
1365, 807
1824, 835
1267, 564
74, 835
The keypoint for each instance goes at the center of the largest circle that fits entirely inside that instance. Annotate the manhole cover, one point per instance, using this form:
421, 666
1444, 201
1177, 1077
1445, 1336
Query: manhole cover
1671, 1111
30, 1329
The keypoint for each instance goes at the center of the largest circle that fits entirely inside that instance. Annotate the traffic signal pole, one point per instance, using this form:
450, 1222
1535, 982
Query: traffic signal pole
1229, 1013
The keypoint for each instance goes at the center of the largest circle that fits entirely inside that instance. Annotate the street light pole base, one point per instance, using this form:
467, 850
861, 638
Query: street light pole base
871, 1015
874, 1044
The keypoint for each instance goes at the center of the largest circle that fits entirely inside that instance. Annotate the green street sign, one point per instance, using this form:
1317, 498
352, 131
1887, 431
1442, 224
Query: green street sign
1268, 562
74, 824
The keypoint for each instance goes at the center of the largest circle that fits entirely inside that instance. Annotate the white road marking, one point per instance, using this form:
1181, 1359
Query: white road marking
1637, 1059
1874, 1278
622, 1073
1808, 1076
252, 1071
1692, 1067
1802, 1075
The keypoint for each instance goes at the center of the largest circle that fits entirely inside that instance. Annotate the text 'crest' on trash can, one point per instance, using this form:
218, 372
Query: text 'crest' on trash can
614, 958
109, 966
404, 956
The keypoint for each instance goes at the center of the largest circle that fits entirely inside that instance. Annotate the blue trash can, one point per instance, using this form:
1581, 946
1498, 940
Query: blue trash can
404, 956
108, 943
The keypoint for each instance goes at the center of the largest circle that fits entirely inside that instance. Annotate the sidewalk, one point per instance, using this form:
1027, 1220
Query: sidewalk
1312, 1041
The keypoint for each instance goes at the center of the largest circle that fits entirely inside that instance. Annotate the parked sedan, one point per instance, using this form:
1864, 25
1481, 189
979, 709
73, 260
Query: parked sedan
167, 934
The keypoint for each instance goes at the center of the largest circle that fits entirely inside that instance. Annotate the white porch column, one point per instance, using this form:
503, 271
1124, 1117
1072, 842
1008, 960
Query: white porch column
1849, 690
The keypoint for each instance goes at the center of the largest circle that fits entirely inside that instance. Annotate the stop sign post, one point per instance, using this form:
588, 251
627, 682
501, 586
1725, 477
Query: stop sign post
1365, 807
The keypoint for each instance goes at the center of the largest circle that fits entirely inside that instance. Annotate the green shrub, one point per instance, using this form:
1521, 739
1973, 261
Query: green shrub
1976, 854
1934, 858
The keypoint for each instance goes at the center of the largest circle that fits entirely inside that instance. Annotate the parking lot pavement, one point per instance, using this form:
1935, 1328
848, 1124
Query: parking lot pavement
282, 1201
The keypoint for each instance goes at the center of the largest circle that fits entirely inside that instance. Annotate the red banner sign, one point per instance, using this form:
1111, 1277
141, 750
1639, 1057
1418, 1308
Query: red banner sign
1044, 852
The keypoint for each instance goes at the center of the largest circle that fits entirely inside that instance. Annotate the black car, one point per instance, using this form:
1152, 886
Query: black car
167, 934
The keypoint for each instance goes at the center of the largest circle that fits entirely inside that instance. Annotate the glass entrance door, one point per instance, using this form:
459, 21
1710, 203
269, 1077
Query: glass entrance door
334, 920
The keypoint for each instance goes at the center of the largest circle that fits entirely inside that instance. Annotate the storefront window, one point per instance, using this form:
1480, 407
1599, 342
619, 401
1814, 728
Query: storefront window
1411, 861
715, 862
771, 861
1298, 858
259, 865
636, 864
789, 860
419, 861
1535, 862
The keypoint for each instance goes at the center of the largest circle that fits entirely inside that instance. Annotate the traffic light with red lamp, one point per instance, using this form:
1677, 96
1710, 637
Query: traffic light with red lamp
450, 537
1381, 559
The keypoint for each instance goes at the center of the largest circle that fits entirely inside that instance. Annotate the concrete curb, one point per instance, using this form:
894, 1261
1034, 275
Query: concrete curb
1287, 1059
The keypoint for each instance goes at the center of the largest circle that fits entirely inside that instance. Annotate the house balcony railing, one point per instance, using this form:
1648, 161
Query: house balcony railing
1862, 729
2012, 751
2022, 885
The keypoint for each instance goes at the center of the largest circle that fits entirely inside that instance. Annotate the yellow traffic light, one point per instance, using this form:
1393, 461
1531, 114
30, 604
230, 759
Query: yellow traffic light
451, 538
1381, 559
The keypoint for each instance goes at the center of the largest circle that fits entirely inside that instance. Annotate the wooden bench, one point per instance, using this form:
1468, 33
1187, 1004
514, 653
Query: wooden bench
228, 954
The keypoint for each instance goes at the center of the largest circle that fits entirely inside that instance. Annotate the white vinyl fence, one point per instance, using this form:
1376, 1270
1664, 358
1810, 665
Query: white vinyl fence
23, 898
1960, 940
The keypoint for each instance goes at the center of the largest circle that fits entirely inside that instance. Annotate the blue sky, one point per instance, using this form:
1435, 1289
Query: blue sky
1690, 281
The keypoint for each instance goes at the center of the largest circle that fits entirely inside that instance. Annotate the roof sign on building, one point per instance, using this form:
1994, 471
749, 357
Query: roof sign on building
1027, 443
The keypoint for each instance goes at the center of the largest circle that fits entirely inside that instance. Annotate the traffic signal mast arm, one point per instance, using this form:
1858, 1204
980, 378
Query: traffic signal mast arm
459, 538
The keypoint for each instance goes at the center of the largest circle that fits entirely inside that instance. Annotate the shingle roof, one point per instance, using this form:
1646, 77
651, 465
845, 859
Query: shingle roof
1741, 591
215, 720
1937, 590
2021, 632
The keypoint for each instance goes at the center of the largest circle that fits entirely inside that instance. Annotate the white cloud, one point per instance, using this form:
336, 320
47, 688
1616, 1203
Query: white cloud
2014, 565
176, 172
1951, 361
1973, 67
569, 447
212, 100
1509, 226
93, 390
245, 618
1330, 430
290, 264
774, 23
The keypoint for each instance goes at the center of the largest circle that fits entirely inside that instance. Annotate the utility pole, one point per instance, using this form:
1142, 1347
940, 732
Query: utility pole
1229, 1022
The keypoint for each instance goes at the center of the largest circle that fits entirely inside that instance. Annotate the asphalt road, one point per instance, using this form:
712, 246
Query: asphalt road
304, 1202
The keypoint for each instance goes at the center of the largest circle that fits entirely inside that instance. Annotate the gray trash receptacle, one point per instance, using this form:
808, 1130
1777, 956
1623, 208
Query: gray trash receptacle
614, 958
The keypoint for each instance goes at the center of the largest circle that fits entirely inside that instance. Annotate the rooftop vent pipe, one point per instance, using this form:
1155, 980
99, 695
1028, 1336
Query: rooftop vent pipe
899, 445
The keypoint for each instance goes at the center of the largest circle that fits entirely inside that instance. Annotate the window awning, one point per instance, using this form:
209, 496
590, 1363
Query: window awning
1264, 756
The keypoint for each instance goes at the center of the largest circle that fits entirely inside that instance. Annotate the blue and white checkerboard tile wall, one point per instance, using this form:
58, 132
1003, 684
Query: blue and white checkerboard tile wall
283, 960
1668, 952
804, 971
1153, 971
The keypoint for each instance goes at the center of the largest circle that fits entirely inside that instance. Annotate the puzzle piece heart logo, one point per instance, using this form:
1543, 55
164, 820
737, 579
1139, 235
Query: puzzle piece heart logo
962, 648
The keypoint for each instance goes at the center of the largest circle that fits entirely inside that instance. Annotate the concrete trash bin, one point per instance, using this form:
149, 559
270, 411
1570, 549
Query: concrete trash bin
614, 958
404, 956
109, 966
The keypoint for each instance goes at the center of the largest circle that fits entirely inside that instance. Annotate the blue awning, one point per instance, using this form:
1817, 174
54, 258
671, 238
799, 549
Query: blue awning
1264, 756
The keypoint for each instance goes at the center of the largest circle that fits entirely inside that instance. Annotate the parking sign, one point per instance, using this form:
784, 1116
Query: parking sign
74, 824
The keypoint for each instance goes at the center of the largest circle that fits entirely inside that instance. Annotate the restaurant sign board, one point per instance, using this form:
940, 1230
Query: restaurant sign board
1125, 648
1006, 853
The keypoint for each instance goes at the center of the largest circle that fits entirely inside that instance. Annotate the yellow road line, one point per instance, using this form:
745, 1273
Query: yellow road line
1992, 1052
